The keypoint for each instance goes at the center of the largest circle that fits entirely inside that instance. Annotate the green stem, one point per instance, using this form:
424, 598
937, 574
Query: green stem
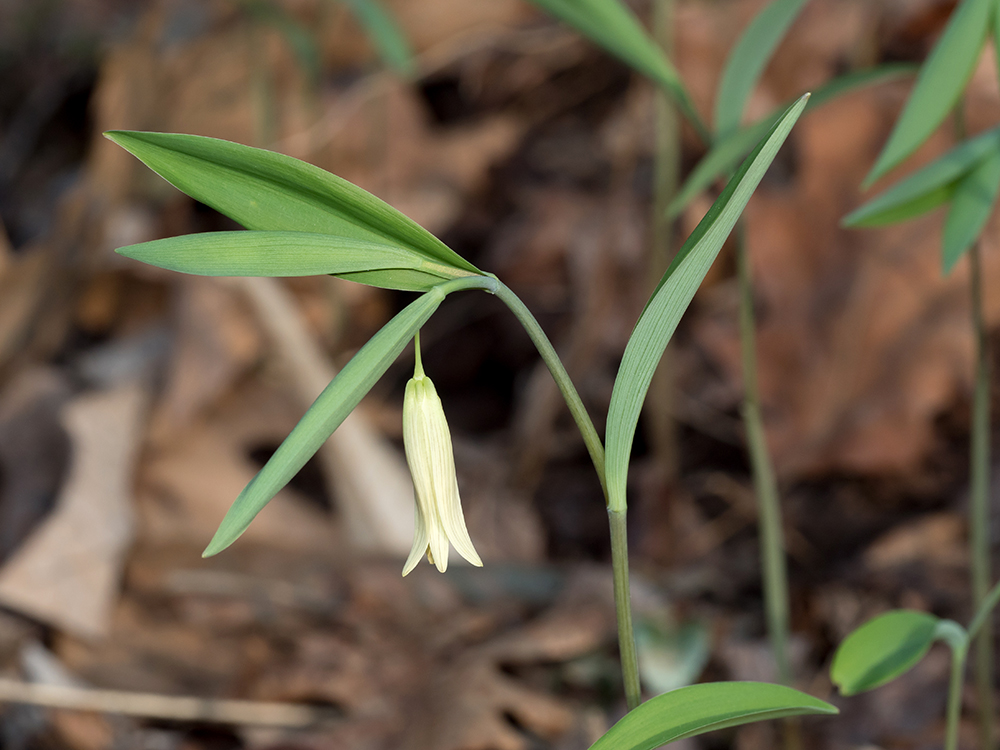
979, 505
983, 613
576, 408
955, 696
623, 608
773, 567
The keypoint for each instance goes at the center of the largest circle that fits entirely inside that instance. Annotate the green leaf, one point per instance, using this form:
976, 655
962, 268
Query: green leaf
942, 79
697, 709
671, 298
748, 59
971, 206
610, 24
299, 40
324, 416
882, 649
726, 153
268, 191
927, 188
290, 254
385, 34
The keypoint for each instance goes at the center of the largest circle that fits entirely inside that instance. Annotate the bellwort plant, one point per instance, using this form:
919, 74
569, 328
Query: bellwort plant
967, 179
727, 141
305, 221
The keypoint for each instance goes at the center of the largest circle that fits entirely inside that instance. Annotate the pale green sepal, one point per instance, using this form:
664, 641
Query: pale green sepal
288, 254
385, 35
882, 649
610, 24
324, 416
726, 153
928, 187
748, 59
942, 79
694, 710
269, 191
971, 206
670, 299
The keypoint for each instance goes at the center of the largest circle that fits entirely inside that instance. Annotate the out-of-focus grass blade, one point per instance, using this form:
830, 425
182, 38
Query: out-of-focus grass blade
671, 298
299, 40
927, 188
882, 649
727, 151
940, 84
748, 59
694, 710
385, 35
269, 191
972, 204
324, 416
287, 254
613, 26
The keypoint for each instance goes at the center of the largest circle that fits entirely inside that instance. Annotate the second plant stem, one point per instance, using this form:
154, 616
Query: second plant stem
773, 568
619, 536
979, 502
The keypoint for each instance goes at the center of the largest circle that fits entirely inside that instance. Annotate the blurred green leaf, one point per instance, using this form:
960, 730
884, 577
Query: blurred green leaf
971, 205
726, 153
268, 191
748, 59
385, 35
694, 710
324, 416
927, 188
290, 254
882, 649
614, 27
670, 655
670, 299
942, 79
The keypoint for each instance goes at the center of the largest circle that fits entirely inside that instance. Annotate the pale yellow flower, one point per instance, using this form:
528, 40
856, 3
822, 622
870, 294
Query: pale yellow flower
432, 465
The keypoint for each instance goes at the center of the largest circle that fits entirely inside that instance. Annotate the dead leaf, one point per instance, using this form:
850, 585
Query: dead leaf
67, 573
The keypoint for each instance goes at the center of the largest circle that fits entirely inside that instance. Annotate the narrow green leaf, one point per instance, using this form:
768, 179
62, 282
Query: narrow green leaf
610, 24
287, 254
670, 299
726, 153
942, 79
972, 204
748, 59
324, 416
694, 710
882, 649
385, 35
927, 188
269, 191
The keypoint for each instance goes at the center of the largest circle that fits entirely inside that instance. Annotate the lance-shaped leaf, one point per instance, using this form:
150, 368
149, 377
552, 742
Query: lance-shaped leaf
927, 188
694, 710
613, 26
726, 153
292, 254
325, 415
273, 192
385, 34
942, 79
670, 299
971, 205
748, 59
882, 649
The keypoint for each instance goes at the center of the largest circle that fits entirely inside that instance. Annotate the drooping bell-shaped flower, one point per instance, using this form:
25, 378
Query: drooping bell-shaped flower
432, 465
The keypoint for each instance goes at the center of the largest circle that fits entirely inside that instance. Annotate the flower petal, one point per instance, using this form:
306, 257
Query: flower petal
419, 548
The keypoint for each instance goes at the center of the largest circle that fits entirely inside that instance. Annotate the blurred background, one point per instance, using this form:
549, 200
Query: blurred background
136, 403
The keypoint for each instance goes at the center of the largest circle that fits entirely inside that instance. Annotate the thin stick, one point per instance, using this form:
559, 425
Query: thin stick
169, 707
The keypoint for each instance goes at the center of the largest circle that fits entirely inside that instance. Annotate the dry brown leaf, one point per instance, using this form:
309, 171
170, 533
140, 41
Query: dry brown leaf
67, 573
